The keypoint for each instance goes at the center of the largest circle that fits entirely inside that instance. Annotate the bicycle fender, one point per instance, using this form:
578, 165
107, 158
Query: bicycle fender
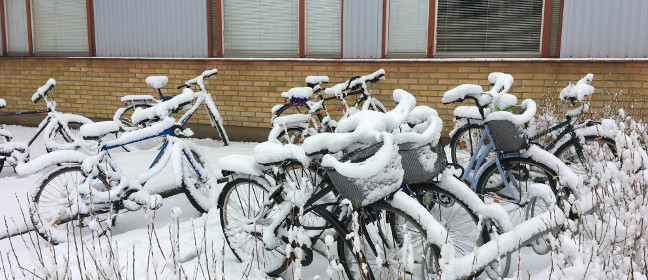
50, 159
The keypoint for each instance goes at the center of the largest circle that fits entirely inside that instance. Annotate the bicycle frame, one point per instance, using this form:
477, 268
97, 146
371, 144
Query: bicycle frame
476, 168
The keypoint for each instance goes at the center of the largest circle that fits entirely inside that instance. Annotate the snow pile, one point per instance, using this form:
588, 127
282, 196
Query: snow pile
3, 103
299, 93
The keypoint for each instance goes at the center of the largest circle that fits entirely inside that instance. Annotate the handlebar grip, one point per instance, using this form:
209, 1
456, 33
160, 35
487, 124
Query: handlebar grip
377, 78
351, 80
38, 99
210, 73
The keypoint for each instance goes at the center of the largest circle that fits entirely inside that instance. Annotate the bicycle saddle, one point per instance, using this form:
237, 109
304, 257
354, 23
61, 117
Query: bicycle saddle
157, 82
298, 94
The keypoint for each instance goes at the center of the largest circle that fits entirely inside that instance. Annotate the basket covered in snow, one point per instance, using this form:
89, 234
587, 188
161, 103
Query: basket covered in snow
366, 190
422, 164
507, 136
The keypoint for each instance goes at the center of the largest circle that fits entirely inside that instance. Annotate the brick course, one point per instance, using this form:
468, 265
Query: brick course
246, 90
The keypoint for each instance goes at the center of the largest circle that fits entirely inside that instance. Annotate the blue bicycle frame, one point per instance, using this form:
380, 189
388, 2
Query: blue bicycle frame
476, 168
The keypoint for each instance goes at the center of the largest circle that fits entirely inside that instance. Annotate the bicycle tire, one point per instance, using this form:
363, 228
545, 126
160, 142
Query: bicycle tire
197, 187
126, 124
595, 149
248, 246
455, 216
52, 194
383, 225
60, 137
290, 109
464, 142
492, 190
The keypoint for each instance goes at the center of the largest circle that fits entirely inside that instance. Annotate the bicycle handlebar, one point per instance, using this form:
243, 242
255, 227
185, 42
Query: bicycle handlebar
199, 80
42, 91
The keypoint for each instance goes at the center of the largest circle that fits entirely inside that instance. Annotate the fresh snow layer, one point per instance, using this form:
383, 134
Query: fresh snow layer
3, 103
578, 91
139, 97
164, 109
98, 129
529, 107
298, 92
501, 82
315, 80
349, 84
156, 82
461, 91
40, 93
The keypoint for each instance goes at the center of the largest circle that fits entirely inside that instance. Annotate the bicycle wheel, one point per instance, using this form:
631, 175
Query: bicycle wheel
463, 144
196, 182
52, 205
520, 173
292, 135
243, 217
60, 139
124, 116
388, 244
458, 219
595, 149
309, 181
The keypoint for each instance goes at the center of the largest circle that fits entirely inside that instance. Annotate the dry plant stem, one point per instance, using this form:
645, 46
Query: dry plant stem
14, 251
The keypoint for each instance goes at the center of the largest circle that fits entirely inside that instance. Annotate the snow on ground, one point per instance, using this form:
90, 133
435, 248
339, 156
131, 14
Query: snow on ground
131, 230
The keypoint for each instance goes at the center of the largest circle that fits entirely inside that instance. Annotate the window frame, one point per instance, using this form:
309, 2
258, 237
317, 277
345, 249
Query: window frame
539, 53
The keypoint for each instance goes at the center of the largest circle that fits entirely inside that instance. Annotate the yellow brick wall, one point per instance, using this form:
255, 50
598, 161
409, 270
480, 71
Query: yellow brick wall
245, 90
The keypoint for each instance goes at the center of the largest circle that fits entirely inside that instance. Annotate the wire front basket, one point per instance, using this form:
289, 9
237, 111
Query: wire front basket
364, 191
507, 136
422, 164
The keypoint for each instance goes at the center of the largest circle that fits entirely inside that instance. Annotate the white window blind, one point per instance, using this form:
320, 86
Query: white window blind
16, 27
407, 31
323, 27
60, 27
261, 27
488, 26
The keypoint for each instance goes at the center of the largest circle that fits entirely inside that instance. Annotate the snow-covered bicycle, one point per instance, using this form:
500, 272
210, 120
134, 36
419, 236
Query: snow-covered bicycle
278, 205
60, 130
134, 102
81, 199
579, 143
299, 118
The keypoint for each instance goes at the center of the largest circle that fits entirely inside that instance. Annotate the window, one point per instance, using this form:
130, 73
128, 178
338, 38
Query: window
407, 27
488, 26
323, 27
60, 27
260, 28
16, 27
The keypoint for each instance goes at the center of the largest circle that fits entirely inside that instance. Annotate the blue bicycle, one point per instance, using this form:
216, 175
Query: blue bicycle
505, 168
